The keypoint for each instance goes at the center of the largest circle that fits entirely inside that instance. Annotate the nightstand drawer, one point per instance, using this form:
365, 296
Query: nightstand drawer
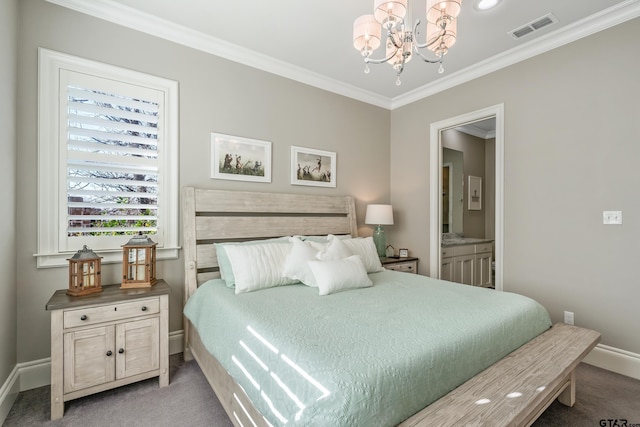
409, 267
110, 312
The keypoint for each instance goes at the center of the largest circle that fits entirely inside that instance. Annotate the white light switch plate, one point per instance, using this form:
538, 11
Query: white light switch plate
612, 217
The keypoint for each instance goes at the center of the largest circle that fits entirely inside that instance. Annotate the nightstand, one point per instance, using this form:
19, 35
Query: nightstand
408, 265
106, 340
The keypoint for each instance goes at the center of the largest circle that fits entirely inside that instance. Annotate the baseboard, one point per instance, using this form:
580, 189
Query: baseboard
28, 375
8, 393
37, 373
176, 342
615, 360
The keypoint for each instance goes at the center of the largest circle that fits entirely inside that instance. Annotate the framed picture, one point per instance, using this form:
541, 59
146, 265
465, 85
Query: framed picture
313, 167
240, 159
475, 193
403, 253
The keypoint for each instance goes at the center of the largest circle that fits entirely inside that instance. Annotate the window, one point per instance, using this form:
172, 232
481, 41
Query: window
107, 163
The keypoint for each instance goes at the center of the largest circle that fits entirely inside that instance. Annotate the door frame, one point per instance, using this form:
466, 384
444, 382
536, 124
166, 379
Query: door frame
435, 167
449, 191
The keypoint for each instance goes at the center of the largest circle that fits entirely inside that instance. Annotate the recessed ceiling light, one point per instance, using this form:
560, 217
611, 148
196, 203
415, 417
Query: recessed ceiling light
486, 4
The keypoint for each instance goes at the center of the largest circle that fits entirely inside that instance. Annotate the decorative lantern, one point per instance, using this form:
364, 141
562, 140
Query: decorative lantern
84, 273
139, 263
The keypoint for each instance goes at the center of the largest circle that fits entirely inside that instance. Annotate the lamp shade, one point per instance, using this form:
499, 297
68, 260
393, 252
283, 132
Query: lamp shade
366, 34
379, 215
439, 9
389, 12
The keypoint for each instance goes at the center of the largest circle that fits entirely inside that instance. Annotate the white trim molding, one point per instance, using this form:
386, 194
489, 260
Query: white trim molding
616, 360
29, 375
435, 167
37, 373
8, 393
134, 19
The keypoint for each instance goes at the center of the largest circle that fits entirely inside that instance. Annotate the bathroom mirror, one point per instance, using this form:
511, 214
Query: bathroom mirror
452, 191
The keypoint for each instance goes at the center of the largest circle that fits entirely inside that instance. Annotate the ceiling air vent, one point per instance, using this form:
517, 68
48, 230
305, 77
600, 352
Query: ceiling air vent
533, 26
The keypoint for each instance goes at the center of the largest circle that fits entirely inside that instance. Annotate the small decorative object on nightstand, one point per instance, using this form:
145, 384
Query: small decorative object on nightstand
403, 253
390, 251
139, 263
84, 273
408, 265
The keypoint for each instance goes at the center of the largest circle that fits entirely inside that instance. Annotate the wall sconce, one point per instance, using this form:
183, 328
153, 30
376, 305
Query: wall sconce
139, 263
84, 273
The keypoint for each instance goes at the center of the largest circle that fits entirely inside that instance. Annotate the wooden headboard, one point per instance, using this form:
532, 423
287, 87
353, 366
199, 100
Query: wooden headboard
211, 216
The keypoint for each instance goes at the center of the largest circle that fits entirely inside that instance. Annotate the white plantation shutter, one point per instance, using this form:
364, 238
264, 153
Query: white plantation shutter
112, 159
116, 165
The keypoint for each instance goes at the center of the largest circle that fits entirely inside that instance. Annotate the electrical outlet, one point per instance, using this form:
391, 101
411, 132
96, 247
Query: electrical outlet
568, 317
612, 217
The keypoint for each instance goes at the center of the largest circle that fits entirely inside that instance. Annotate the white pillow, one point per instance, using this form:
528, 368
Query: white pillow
367, 250
296, 267
226, 272
334, 250
259, 266
340, 275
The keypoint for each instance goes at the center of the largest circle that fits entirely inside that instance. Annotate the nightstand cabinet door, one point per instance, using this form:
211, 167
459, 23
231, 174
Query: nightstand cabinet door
137, 346
89, 359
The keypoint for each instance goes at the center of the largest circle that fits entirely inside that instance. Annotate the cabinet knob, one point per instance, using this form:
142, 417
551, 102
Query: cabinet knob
83, 317
144, 308
121, 351
109, 353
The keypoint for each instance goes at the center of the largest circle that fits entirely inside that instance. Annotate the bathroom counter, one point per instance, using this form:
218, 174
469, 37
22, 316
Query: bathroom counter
460, 241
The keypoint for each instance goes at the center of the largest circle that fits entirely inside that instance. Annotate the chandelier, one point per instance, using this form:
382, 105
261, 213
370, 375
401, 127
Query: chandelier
402, 43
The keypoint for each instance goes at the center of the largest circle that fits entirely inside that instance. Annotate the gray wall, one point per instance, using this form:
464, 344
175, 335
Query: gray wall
572, 144
473, 151
8, 143
216, 95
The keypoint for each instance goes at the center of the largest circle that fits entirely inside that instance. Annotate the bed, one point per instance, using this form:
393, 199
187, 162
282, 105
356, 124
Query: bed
385, 354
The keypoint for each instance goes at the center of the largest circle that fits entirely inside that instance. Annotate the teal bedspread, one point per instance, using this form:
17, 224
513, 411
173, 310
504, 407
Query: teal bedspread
363, 357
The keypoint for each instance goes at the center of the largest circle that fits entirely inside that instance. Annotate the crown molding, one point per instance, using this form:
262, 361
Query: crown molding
472, 130
600, 21
134, 19
149, 24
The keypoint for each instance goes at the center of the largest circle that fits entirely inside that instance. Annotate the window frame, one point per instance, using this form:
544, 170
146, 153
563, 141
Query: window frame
51, 170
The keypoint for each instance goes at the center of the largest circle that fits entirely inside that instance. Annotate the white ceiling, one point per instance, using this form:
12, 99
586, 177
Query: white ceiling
311, 41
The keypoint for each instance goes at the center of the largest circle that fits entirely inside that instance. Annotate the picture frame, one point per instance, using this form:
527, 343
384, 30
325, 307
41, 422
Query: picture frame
240, 159
474, 193
313, 167
403, 253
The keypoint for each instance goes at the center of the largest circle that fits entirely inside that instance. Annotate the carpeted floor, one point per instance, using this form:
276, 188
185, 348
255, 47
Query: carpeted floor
189, 401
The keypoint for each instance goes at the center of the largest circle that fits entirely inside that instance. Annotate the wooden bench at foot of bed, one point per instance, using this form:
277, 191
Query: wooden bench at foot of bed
518, 388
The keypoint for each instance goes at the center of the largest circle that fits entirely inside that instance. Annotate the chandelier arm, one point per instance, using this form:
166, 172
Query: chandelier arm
369, 60
425, 59
427, 45
391, 36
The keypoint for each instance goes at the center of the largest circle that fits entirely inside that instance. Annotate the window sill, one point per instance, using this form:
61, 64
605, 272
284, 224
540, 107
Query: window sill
108, 257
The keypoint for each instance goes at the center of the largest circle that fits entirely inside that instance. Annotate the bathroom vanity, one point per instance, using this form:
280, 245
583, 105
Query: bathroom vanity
468, 261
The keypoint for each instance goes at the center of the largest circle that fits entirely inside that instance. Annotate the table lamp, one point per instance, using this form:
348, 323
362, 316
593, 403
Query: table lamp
379, 215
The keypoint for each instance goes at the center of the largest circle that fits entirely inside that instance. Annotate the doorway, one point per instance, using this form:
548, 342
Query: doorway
436, 185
